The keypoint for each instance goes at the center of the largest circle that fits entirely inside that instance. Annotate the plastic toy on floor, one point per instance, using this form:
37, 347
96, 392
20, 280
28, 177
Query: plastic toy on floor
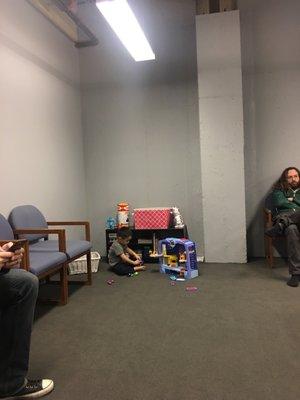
191, 288
133, 274
178, 257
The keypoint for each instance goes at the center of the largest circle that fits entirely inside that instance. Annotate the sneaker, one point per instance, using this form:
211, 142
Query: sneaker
293, 281
33, 389
276, 230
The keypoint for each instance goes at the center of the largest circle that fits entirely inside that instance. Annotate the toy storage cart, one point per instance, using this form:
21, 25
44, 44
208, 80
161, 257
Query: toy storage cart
178, 257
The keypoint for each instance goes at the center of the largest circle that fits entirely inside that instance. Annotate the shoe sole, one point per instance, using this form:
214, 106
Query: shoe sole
292, 285
35, 395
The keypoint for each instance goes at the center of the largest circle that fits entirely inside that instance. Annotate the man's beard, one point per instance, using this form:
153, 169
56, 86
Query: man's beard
295, 185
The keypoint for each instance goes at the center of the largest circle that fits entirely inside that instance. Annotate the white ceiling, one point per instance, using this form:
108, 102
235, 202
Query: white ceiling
170, 28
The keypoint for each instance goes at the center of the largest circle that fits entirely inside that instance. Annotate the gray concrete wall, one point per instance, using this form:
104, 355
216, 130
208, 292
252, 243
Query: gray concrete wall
140, 120
41, 148
271, 87
221, 136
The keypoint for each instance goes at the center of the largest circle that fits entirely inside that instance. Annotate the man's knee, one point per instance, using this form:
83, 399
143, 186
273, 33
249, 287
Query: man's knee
27, 284
31, 282
17, 285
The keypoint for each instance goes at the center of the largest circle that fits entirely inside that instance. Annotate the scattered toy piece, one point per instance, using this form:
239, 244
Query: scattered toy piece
180, 279
134, 274
110, 281
191, 288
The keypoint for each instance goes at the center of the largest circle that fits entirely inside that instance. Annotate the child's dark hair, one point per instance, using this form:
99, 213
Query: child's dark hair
124, 232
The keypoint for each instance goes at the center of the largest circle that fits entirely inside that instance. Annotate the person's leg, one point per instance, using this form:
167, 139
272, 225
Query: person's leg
139, 268
293, 250
127, 269
18, 293
282, 221
123, 269
294, 217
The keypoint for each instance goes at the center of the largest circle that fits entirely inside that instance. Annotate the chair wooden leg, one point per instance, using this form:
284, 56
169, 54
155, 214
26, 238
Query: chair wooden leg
89, 268
63, 285
269, 251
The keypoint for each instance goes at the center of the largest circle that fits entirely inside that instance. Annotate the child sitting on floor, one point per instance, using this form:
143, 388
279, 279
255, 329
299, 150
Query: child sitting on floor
119, 255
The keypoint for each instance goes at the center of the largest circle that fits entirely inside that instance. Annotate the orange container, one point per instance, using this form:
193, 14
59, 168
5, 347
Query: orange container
123, 214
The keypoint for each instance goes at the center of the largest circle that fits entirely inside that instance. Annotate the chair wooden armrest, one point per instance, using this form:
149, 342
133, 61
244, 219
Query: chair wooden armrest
60, 232
86, 224
25, 259
268, 218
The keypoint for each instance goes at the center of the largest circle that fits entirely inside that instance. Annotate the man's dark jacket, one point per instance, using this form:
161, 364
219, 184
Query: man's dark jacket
281, 203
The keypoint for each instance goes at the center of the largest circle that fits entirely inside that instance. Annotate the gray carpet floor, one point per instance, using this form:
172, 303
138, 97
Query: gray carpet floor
236, 338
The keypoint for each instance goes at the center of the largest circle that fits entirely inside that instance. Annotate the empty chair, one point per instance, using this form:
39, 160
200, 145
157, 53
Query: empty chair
29, 223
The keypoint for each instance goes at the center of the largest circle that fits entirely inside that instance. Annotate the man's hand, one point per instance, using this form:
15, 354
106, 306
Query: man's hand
9, 259
137, 262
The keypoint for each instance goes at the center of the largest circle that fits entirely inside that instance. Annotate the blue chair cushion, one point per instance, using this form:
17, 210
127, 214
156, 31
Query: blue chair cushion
28, 217
74, 247
6, 233
41, 262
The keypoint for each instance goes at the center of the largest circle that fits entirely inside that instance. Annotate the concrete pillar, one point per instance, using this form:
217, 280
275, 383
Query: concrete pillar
221, 136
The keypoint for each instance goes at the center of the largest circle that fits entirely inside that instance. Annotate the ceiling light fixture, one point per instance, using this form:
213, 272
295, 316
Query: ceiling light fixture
123, 21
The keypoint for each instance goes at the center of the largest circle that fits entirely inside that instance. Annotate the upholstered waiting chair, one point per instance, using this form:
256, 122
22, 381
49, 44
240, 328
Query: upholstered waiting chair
29, 223
41, 264
268, 211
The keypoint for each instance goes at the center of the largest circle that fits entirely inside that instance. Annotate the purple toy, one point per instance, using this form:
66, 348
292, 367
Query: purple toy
178, 257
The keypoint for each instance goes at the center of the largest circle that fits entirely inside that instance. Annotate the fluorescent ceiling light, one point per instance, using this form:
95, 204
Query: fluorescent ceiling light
123, 21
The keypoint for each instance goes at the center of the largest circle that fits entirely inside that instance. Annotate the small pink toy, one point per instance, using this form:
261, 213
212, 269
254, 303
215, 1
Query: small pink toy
191, 288
110, 281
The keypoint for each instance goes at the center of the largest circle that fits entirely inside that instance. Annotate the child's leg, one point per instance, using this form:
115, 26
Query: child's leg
123, 269
139, 268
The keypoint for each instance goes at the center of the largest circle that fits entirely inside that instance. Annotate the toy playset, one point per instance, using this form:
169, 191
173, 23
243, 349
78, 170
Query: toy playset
178, 257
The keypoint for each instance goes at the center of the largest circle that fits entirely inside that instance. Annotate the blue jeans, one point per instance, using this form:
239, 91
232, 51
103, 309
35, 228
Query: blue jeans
18, 294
